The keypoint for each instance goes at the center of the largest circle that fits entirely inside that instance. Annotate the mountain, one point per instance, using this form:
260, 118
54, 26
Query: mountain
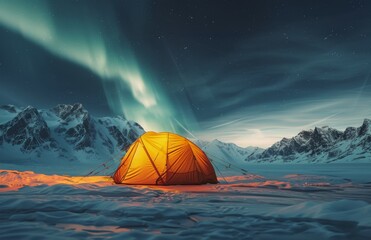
64, 133
321, 145
217, 149
228, 157
67, 134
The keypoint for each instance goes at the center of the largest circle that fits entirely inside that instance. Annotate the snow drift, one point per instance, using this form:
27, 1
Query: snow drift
288, 205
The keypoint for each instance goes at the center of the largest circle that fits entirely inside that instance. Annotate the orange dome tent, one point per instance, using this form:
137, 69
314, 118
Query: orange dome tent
164, 159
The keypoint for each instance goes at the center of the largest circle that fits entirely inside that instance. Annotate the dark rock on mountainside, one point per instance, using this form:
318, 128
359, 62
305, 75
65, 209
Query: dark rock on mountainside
27, 130
65, 131
82, 134
323, 144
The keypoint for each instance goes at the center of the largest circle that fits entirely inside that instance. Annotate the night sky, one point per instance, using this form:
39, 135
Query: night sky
248, 72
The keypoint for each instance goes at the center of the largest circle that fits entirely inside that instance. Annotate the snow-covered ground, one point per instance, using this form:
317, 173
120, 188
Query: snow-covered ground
322, 201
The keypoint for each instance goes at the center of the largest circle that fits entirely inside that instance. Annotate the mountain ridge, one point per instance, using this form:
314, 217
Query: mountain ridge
66, 132
69, 132
321, 144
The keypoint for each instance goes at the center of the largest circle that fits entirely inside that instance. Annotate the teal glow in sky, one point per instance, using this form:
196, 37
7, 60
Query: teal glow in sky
248, 72
83, 39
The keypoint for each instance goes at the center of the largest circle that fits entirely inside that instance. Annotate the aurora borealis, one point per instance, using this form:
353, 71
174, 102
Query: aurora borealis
86, 41
248, 72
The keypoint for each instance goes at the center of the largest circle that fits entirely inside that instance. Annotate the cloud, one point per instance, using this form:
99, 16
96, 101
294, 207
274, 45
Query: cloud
269, 68
263, 127
280, 86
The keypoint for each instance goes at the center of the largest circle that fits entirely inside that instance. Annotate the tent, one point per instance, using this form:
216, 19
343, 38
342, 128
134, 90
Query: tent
164, 159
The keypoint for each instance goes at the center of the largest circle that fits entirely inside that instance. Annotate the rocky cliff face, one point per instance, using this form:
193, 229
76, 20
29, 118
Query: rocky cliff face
323, 144
65, 132
27, 129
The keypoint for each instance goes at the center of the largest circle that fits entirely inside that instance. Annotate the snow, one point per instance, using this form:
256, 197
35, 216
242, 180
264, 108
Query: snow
298, 201
340, 210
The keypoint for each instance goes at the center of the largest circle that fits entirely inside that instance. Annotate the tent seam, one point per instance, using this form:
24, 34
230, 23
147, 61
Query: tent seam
150, 159
123, 177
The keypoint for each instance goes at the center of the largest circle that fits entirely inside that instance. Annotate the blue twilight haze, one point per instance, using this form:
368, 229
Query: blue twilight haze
248, 72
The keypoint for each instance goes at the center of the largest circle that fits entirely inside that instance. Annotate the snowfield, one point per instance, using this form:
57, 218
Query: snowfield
322, 201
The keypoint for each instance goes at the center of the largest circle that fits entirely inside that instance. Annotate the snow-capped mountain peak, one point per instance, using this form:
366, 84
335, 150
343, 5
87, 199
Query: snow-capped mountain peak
63, 132
323, 144
69, 132
365, 128
69, 112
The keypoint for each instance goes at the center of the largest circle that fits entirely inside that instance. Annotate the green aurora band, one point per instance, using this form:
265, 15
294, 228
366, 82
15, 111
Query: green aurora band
83, 39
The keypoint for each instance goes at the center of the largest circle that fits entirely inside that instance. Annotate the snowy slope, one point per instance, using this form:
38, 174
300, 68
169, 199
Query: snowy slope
279, 201
65, 133
229, 150
228, 157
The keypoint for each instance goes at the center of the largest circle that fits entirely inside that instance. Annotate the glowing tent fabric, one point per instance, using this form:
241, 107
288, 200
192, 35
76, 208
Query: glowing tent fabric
164, 159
